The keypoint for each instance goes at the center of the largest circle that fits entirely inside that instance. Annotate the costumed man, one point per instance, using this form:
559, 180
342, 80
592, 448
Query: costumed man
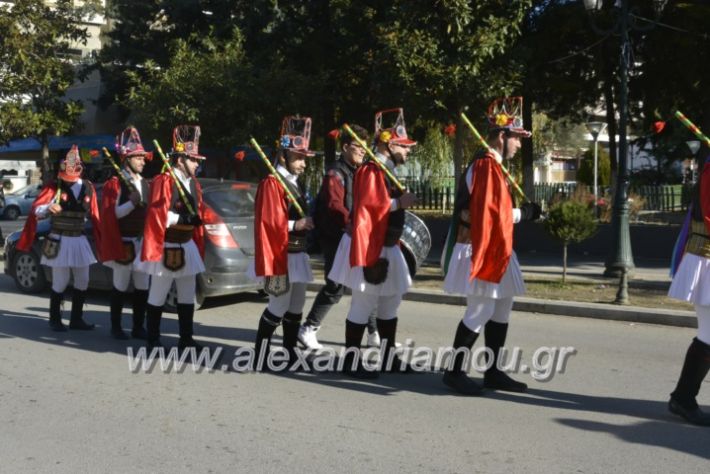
280, 238
369, 260
482, 264
332, 215
66, 250
123, 212
691, 283
173, 239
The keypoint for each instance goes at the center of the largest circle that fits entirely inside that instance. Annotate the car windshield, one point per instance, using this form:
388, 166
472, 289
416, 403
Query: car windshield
236, 200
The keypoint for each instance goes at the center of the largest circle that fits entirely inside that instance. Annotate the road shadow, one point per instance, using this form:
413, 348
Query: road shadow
660, 428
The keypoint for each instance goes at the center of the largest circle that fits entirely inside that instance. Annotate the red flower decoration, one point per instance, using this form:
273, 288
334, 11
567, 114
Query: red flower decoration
94, 153
450, 130
658, 126
240, 155
334, 134
149, 156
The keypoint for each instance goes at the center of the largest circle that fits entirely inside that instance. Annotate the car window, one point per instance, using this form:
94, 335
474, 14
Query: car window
234, 201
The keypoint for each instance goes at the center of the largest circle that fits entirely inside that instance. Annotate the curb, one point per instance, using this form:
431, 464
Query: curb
609, 312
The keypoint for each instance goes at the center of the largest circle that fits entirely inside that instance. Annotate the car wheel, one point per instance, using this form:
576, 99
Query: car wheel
171, 299
28, 273
11, 213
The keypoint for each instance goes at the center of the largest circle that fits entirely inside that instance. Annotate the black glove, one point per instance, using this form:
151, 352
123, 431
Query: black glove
530, 211
190, 219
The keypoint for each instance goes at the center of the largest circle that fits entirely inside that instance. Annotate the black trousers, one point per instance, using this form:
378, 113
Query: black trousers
330, 294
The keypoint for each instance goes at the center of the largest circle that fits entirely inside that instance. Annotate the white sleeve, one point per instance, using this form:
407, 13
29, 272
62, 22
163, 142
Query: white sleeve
124, 209
291, 225
173, 218
42, 211
517, 215
393, 205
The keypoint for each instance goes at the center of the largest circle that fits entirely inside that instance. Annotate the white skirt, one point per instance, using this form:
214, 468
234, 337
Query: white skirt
137, 245
692, 280
397, 282
193, 263
299, 269
73, 252
457, 278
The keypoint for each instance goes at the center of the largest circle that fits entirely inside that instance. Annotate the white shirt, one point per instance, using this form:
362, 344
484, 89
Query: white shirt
43, 211
293, 179
124, 209
172, 216
390, 166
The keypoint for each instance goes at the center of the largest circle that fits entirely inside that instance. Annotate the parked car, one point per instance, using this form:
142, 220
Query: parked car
229, 244
19, 202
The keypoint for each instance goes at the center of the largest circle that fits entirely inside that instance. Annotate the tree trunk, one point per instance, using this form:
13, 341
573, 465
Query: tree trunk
45, 168
527, 151
564, 262
458, 147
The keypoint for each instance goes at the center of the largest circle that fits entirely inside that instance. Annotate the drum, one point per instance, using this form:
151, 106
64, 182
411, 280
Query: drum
416, 239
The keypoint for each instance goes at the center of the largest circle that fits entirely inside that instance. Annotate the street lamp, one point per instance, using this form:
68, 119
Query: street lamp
694, 147
620, 260
595, 128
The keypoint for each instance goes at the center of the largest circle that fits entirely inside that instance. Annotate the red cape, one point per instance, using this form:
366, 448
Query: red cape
161, 193
371, 210
271, 229
491, 208
111, 242
45, 197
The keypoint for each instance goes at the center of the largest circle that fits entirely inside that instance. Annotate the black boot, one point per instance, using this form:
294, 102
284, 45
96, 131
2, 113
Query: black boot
455, 377
186, 313
140, 300
77, 311
388, 331
153, 315
353, 339
695, 368
494, 378
55, 312
117, 298
267, 325
291, 325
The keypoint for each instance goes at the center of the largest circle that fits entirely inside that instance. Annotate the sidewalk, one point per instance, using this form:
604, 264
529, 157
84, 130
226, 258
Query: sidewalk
650, 273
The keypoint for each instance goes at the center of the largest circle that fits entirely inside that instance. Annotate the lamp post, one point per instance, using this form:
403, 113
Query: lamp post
694, 147
596, 128
620, 260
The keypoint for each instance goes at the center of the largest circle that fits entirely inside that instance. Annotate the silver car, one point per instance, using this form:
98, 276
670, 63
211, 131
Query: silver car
19, 202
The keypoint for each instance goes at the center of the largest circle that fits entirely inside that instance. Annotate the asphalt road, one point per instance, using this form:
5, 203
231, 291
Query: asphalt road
69, 403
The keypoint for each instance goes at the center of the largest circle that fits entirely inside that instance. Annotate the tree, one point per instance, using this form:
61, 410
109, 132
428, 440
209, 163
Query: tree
585, 173
36, 69
676, 58
570, 221
215, 85
450, 56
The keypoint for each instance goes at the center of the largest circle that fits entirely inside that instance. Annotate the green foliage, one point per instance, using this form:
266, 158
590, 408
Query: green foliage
678, 59
216, 86
570, 221
434, 156
36, 73
556, 134
585, 174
